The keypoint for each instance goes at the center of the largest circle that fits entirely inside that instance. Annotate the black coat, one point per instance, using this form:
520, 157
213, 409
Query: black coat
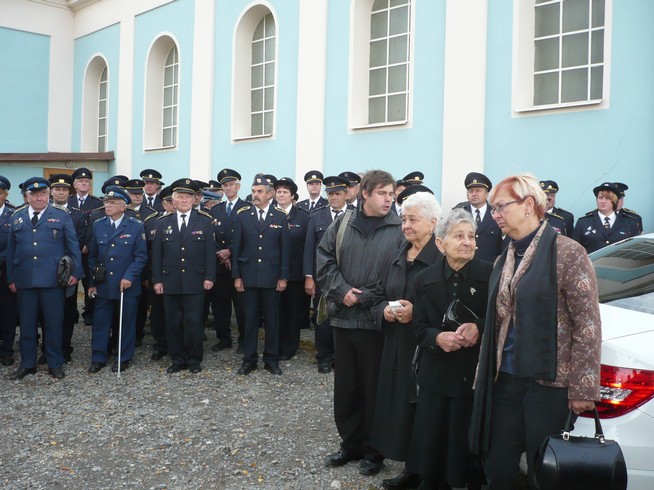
298, 223
591, 234
224, 229
396, 393
306, 204
90, 203
568, 218
182, 262
448, 373
490, 241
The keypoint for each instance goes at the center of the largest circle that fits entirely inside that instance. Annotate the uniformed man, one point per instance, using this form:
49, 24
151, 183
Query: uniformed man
603, 226
212, 195
7, 298
489, 236
629, 213
408, 180
260, 271
294, 301
157, 316
151, 179
199, 195
225, 294
313, 180
556, 222
61, 186
135, 189
40, 235
183, 268
82, 199
551, 188
336, 189
117, 256
354, 179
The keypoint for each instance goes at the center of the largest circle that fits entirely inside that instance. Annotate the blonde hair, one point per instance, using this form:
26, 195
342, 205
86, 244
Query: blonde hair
520, 187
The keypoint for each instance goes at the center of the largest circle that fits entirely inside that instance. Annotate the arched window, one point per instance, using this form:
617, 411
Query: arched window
255, 74
262, 99
162, 86
95, 106
102, 112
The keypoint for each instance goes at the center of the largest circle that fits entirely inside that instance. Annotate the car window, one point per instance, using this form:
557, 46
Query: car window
625, 274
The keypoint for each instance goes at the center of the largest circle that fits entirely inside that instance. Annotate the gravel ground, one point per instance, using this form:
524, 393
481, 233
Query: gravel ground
152, 430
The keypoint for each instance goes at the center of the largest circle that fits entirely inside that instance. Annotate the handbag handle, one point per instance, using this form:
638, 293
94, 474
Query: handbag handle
572, 417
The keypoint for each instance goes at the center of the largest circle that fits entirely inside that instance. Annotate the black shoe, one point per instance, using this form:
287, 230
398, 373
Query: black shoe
68, 358
176, 368
285, 358
124, 366
57, 373
88, 319
95, 367
221, 346
158, 355
195, 369
21, 372
246, 368
341, 458
6, 361
403, 480
273, 369
42, 360
325, 367
370, 468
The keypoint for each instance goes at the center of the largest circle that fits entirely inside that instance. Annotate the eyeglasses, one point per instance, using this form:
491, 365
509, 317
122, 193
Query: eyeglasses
499, 208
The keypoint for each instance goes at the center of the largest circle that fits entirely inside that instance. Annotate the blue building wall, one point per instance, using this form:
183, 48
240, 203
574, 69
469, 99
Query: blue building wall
579, 149
175, 19
274, 155
399, 149
25, 62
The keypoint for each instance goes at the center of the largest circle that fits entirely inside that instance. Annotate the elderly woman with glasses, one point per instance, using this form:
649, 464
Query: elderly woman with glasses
540, 351
438, 448
393, 310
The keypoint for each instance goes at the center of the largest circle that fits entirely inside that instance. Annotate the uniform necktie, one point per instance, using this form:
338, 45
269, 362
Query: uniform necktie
478, 217
81, 202
150, 201
336, 213
182, 228
113, 225
229, 208
311, 206
607, 222
261, 216
35, 218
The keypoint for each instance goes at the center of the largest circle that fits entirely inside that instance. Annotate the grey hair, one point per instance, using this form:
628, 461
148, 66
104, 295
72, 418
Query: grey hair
423, 202
456, 216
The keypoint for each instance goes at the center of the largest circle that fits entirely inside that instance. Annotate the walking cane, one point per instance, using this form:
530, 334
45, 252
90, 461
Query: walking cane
120, 329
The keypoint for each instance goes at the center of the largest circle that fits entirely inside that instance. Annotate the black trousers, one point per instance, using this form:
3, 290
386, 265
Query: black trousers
71, 316
89, 303
358, 356
524, 412
224, 295
142, 312
324, 335
293, 314
8, 314
157, 321
184, 328
261, 301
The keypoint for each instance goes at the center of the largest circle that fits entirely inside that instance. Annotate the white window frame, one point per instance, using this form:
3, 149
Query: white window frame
523, 65
90, 127
241, 121
102, 135
359, 68
173, 106
153, 99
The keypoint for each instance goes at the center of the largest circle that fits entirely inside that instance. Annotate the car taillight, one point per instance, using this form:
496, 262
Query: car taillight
623, 390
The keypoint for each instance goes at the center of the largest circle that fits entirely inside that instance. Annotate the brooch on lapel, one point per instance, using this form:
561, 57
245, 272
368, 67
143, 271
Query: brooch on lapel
473, 291
169, 230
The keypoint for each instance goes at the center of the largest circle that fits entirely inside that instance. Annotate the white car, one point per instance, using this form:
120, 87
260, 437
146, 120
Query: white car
625, 274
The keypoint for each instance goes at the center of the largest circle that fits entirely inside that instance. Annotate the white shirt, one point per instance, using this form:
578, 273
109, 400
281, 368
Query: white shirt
2, 209
117, 222
611, 218
265, 212
333, 211
31, 212
482, 211
187, 214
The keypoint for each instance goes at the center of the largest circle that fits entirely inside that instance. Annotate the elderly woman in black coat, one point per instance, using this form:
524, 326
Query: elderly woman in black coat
446, 371
396, 392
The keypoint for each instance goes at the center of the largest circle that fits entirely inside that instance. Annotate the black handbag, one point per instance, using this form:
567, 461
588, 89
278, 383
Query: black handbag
566, 462
457, 314
65, 270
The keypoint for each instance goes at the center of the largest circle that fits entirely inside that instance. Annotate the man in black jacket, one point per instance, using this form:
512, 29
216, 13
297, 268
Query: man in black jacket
348, 272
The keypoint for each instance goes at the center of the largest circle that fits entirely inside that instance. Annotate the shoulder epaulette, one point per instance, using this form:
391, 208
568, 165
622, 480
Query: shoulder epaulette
73, 208
136, 220
61, 208
155, 215
22, 207
101, 207
554, 214
244, 208
205, 214
101, 219
303, 210
590, 213
162, 216
630, 211
281, 209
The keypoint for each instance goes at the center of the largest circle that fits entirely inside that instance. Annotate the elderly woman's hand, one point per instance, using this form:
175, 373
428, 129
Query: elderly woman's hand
468, 334
389, 314
580, 406
405, 313
448, 341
